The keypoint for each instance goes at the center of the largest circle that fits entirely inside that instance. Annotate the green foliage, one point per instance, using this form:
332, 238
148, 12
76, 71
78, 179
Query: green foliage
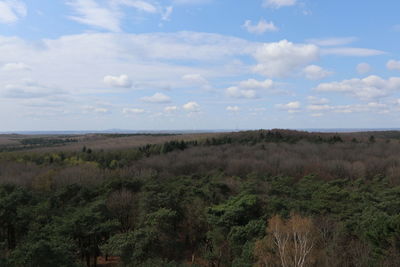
45, 251
154, 239
212, 217
236, 211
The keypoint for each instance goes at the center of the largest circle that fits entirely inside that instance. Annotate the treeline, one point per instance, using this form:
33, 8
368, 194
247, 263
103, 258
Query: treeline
122, 158
262, 198
30, 143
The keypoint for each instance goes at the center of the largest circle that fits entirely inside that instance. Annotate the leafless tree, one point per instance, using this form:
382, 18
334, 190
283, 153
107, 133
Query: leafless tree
293, 241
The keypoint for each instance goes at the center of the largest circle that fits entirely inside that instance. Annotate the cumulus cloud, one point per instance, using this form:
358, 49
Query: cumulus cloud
191, 46
157, 98
319, 107
363, 68
279, 3
250, 88
236, 92
196, 80
233, 108
317, 100
170, 109
257, 85
19, 66
371, 87
158, 60
93, 109
29, 90
261, 27
191, 107
134, 111
290, 107
314, 72
118, 81
12, 10
393, 65
282, 58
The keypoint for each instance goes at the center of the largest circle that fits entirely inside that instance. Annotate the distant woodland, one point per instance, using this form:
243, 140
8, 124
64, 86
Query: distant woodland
264, 198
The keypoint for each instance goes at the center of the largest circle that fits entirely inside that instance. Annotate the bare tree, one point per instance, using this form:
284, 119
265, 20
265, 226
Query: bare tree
291, 241
122, 204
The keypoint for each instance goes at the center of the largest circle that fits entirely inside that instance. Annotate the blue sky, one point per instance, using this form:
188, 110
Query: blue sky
198, 64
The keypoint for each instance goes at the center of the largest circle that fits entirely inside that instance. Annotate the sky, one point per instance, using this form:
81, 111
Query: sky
198, 64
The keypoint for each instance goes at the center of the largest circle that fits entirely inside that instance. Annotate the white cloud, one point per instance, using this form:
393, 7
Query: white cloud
191, 2
19, 66
191, 107
317, 115
233, 108
282, 58
12, 10
261, 27
333, 41
257, 85
91, 13
108, 15
257, 110
236, 92
118, 81
249, 88
196, 80
170, 109
98, 110
319, 107
134, 111
368, 107
146, 7
352, 52
279, 3
166, 14
138, 4
314, 72
157, 98
153, 61
317, 100
291, 107
371, 87
29, 90
393, 65
363, 68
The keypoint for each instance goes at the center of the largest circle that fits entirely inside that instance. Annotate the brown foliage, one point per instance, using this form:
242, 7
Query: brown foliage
289, 243
123, 205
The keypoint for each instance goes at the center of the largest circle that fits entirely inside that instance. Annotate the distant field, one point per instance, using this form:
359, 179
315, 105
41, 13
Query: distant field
71, 142
9, 140
47, 143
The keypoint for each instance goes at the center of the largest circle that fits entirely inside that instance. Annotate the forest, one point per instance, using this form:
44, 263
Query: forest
265, 198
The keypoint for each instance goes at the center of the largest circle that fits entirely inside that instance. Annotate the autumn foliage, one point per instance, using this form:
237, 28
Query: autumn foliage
288, 243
